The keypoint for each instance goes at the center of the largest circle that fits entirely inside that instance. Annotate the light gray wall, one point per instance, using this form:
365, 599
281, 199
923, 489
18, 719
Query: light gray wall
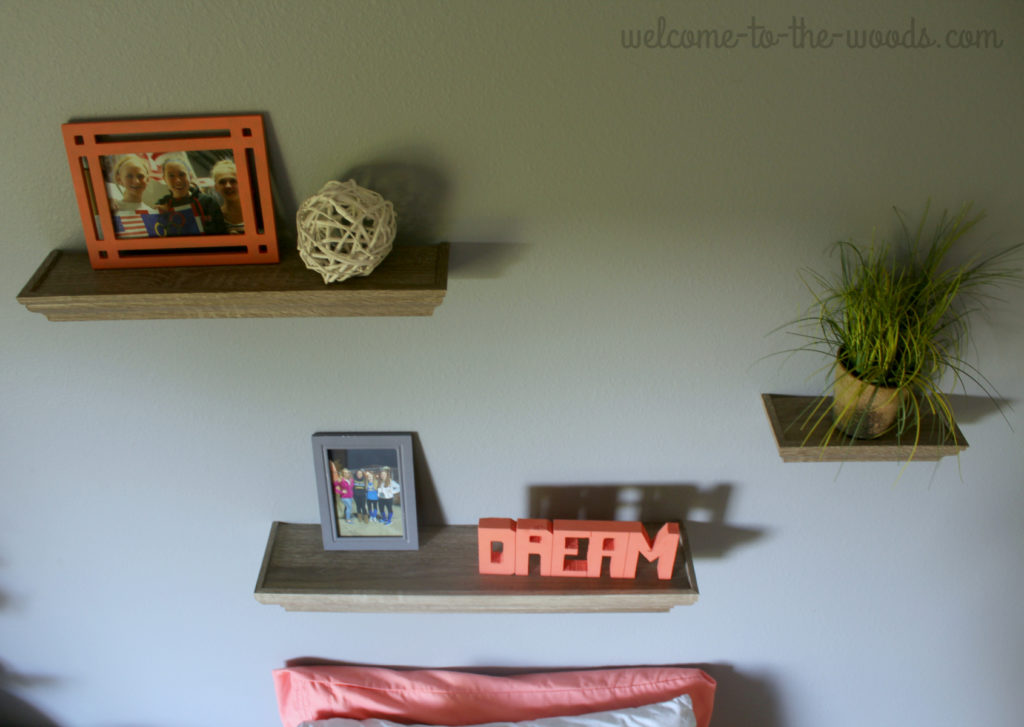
627, 226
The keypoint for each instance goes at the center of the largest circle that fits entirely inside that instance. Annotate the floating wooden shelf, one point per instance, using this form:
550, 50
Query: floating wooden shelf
442, 576
799, 442
411, 281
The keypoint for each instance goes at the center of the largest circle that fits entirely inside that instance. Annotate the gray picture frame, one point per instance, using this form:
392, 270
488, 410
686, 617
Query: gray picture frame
384, 460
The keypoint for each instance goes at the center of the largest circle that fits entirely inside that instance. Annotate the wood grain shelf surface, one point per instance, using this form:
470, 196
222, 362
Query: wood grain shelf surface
299, 575
410, 281
799, 441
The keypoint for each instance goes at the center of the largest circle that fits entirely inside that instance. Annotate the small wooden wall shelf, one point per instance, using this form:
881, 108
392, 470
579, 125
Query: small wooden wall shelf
442, 576
798, 443
411, 281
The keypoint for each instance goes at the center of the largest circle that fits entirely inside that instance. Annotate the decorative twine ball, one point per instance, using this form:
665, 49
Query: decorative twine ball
345, 230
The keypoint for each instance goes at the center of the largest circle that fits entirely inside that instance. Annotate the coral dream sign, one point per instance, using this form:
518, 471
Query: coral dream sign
576, 548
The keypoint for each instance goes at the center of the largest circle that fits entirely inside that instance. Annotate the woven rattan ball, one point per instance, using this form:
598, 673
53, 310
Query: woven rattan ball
345, 230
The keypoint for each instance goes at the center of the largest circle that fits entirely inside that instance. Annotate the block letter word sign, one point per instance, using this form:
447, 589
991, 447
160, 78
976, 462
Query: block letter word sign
574, 548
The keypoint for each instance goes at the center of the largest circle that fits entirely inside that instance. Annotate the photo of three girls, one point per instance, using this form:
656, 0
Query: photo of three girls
164, 196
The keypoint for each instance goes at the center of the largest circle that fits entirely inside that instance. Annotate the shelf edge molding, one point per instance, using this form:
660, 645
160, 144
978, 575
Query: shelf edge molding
442, 577
411, 281
798, 441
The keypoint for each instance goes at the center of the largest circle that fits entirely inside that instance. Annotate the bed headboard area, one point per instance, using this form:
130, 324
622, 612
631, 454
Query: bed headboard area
365, 696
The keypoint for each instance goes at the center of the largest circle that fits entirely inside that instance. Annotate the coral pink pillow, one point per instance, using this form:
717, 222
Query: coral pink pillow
439, 696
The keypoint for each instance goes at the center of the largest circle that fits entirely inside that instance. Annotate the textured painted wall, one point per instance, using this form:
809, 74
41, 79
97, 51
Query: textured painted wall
627, 224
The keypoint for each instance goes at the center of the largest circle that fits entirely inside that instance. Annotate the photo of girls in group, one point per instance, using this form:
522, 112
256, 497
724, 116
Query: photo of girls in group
175, 193
367, 492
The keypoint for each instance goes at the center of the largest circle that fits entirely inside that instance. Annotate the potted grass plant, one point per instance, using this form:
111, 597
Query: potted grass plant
893, 324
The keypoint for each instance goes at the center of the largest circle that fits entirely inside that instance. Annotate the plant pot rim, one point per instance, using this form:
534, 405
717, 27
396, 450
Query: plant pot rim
843, 367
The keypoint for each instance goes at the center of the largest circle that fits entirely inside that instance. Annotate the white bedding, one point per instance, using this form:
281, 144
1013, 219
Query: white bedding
676, 712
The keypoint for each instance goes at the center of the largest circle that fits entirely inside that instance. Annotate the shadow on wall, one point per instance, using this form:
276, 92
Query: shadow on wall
14, 711
420, 194
429, 511
418, 191
971, 409
743, 700
281, 190
483, 260
703, 510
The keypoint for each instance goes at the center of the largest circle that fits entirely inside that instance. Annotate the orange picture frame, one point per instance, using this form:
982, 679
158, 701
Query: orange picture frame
175, 191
